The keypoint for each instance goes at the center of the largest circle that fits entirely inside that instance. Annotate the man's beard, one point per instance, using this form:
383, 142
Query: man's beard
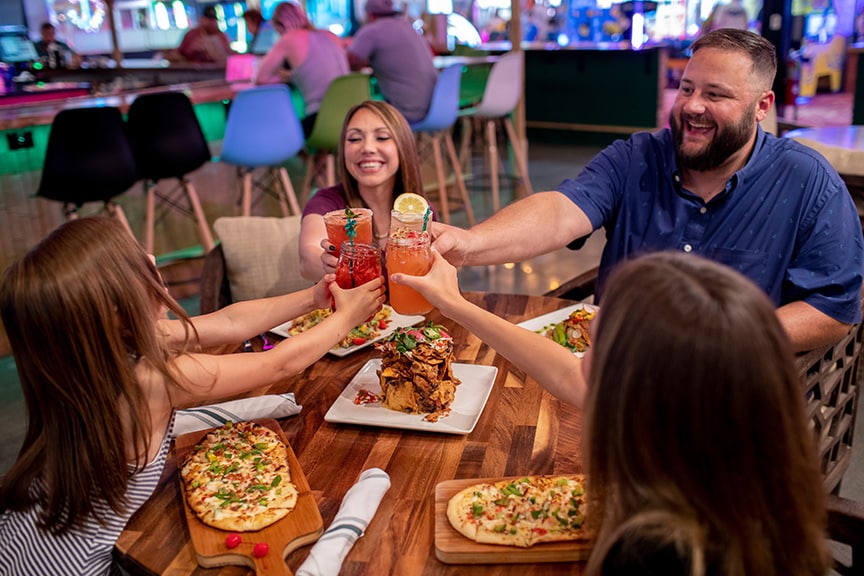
725, 143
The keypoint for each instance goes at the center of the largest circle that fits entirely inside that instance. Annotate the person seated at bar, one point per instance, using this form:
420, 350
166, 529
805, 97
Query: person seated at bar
261, 33
307, 58
54, 53
698, 455
378, 162
206, 43
714, 184
102, 368
400, 58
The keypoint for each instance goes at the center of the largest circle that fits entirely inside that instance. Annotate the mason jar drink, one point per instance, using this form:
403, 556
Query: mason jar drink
336, 222
358, 264
408, 252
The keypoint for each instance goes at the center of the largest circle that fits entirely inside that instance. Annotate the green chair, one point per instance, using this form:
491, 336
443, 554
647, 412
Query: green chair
343, 93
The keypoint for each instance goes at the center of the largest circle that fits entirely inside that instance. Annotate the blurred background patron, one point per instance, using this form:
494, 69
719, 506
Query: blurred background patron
400, 58
206, 43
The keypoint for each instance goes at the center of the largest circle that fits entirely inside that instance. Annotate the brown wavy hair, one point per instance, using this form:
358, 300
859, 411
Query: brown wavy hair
408, 178
696, 437
80, 311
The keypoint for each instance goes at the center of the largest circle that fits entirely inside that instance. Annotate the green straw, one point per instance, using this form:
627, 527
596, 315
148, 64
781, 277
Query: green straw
426, 216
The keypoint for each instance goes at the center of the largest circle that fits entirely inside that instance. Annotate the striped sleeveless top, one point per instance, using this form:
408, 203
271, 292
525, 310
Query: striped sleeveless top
25, 550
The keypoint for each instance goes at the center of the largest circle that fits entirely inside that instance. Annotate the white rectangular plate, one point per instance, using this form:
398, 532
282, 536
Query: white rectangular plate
396, 321
471, 397
540, 322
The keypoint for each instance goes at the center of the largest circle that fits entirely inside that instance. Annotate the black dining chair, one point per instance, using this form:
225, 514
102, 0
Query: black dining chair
88, 159
168, 143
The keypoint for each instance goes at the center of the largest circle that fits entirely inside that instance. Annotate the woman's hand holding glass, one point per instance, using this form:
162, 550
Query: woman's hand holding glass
440, 286
329, 258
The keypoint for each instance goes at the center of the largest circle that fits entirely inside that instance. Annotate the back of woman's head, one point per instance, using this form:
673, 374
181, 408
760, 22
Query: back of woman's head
79, 310
695, 408
408, 178
291, 16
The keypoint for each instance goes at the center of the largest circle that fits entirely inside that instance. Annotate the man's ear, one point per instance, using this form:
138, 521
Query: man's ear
764, 104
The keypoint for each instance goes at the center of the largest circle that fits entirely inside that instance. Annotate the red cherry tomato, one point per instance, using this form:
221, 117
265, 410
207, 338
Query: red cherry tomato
382, 324
261, 549
233, 540
358, 341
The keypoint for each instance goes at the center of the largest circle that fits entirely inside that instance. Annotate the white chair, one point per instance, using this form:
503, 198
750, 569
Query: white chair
442, 114
503, 92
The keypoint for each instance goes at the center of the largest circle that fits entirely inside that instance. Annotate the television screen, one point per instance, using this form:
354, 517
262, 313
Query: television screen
17, 48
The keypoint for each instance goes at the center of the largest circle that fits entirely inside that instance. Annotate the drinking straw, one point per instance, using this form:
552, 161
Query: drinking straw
426, 216
351, 232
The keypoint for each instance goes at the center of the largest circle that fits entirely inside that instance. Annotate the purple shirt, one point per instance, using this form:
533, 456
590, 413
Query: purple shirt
785, 220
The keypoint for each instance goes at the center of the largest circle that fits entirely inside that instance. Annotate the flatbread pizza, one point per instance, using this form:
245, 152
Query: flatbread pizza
521, 512
237, 478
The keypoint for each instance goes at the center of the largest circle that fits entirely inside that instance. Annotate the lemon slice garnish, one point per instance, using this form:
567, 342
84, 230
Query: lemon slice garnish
410, 203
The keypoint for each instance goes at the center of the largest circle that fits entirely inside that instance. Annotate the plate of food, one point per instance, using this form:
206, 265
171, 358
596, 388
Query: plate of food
569, 326
384, 323
416, 386
519, 519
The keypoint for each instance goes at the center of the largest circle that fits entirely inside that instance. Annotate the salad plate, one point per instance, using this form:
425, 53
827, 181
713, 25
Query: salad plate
396, 321
541, 323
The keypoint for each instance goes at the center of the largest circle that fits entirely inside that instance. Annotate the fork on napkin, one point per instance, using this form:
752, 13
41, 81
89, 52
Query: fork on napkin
215, 415
356, 511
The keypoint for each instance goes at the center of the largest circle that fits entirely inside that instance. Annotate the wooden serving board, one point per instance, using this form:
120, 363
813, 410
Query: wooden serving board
451, 547
301, 526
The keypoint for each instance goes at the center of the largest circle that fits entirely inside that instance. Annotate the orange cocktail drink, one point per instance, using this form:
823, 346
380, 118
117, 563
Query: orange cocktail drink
337, 223
408, 252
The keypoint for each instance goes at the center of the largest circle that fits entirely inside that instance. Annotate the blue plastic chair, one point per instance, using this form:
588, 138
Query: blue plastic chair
263, 130
443, 112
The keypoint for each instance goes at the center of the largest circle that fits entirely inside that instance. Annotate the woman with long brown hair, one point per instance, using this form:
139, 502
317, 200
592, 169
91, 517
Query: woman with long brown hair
698, 455
378, 161
102, 368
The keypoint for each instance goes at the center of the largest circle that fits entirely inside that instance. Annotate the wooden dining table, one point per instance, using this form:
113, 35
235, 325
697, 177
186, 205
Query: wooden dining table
522, 430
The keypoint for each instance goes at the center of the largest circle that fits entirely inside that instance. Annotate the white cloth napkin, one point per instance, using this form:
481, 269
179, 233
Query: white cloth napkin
356, 511
213, 415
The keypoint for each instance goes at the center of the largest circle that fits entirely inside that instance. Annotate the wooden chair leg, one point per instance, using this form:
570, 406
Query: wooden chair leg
116, 211
520, 153
246, 196
442, 184
460, 180
278, 187
150, 217
200, 219
492, 148
288, 191
465, 144
310, 174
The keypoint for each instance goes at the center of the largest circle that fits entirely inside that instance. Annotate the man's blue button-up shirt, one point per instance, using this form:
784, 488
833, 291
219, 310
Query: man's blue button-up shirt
785, 220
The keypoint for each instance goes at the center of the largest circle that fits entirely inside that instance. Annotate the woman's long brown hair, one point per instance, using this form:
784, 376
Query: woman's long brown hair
408, 177
695, 414
80, 311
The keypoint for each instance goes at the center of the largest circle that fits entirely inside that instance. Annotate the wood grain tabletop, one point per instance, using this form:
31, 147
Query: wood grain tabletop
522, 430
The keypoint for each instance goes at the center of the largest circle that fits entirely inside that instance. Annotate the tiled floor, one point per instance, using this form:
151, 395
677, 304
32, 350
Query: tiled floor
549, 164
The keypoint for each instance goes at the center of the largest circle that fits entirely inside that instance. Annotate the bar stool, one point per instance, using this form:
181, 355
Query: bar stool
168, 144
502, 94
442, 114
263, 130
343, 93
88, 159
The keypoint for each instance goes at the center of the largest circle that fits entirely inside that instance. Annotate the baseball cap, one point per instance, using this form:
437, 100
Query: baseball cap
380, 7
209, 12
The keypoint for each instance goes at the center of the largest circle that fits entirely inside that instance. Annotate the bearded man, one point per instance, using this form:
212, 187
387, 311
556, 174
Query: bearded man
713, 183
